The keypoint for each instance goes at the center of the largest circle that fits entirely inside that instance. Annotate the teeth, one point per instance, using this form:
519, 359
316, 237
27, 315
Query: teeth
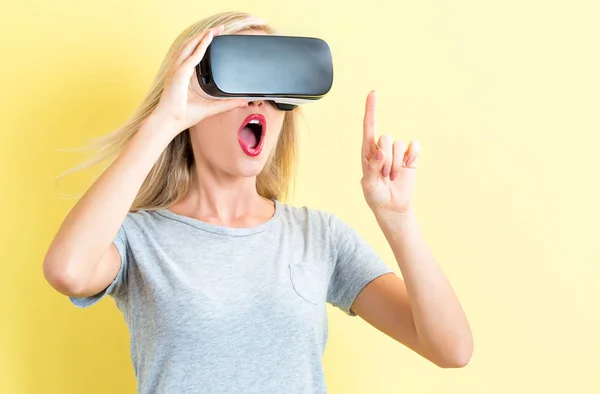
254, 121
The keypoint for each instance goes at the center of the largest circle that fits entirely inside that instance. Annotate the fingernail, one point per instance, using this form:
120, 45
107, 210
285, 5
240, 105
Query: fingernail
379, 154
393, 175
409, 161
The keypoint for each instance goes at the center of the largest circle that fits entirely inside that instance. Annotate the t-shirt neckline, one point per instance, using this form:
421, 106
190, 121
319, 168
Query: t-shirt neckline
219, 229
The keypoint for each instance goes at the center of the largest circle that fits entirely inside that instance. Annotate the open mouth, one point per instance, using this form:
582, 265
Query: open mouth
251, 134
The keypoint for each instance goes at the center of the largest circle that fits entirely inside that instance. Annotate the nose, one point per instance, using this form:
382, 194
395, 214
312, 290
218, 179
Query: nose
257, 103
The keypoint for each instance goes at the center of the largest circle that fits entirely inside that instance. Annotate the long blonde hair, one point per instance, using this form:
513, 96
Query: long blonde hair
169, 178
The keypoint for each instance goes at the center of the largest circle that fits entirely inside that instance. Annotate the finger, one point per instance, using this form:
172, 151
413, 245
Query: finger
412, 153
369, 125
221, 105
373, 170
190, 45
398, 159
186, 49
202, 110
188, 66
385, 143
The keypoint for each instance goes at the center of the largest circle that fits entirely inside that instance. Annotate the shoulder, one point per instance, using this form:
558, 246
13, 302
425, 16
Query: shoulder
139, 217
308, 216
141, 221
318, 223
329, 226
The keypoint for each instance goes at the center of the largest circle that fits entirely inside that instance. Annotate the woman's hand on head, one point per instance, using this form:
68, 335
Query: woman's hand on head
180, 102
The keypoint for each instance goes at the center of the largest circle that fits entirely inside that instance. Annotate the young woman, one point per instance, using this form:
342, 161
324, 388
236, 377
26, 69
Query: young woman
222, 284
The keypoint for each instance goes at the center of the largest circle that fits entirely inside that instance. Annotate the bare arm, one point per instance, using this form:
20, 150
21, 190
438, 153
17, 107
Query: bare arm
82, 260
421, 311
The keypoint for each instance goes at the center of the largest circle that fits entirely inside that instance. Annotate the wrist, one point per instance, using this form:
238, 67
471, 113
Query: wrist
395, 221
159, 125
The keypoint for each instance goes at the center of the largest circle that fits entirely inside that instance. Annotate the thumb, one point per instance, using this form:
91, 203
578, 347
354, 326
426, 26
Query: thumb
214, 107
373, 169
200, 109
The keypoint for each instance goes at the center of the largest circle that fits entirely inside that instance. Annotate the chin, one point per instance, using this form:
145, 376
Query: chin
249, 169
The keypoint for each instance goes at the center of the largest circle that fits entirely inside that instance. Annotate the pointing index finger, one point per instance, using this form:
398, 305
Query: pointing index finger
369, 123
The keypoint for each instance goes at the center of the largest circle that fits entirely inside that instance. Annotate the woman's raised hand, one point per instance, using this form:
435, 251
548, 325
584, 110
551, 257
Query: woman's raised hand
181, 103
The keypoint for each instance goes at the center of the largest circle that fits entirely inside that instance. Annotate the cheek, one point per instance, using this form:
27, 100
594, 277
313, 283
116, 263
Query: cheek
212, 130
204, 139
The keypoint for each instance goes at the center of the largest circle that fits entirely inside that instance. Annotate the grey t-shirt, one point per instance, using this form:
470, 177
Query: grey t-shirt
213, 309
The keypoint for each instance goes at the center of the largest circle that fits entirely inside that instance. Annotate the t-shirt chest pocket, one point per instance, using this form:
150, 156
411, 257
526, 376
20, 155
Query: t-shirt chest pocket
309, 280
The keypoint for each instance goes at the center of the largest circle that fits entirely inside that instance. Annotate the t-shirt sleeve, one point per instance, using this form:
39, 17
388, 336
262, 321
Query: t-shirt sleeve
118, 286
356, 264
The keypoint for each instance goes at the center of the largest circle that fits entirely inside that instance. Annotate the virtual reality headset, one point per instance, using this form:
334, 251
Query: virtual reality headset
286, 70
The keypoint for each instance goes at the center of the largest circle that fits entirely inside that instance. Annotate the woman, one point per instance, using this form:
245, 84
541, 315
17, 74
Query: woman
224, 286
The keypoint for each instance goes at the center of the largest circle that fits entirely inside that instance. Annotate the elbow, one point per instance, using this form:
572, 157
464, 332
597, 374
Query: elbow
457, 361
450, 351
458, 356
61, 278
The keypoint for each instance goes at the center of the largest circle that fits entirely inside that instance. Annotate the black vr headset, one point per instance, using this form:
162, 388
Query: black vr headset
285, 70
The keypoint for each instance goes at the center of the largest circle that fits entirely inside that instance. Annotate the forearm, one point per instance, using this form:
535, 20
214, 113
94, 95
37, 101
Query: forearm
91, 225
440, 322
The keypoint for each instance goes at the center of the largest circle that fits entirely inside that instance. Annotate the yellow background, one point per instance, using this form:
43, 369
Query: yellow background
503, 96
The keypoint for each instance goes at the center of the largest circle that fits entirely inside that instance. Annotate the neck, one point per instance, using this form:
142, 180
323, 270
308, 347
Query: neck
221, 196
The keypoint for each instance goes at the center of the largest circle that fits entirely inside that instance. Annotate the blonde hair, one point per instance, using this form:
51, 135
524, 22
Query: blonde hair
170, 177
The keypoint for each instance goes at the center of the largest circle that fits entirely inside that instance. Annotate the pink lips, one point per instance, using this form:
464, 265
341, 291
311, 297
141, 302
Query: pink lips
247, 149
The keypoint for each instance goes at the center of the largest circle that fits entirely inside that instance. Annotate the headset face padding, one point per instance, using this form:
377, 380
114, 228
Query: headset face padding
284, 106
